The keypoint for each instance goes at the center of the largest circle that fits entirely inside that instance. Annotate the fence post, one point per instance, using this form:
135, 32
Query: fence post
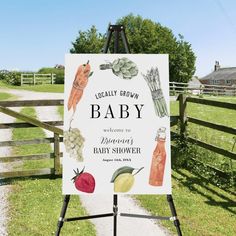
182, 113
57, 165
34, 78
52, 78
174, 92
201, 89
21, 79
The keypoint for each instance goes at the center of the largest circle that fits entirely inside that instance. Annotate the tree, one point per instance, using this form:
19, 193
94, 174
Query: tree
88, 42
145, 36
183, 62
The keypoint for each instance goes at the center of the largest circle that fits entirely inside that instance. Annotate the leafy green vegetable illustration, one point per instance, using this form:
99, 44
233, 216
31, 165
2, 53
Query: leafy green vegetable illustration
122, 67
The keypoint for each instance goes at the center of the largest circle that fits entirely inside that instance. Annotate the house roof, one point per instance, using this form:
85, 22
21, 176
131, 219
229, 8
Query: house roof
194, 82
227, 73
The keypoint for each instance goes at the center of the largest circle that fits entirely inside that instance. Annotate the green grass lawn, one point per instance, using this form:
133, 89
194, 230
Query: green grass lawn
6, 96
31, 133
212, 114
35, 208
215, 115
203, 209
61, 111
221, 98
35, 204
50, 88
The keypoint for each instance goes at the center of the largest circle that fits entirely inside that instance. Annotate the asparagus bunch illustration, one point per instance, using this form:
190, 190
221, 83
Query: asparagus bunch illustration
122, 67
153, 80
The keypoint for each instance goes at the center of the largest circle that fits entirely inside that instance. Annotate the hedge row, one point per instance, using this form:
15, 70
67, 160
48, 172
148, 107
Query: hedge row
14, 77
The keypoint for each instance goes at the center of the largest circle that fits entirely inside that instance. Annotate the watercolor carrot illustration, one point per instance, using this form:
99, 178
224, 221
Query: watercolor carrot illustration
80, 82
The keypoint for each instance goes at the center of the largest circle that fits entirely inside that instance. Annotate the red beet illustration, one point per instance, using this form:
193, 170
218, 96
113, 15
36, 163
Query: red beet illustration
84, 181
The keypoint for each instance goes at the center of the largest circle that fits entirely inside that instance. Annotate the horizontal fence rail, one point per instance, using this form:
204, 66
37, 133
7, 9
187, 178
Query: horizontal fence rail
211, 147
222, 128
212, 103
27, 173
30, 103
178, 88
36, 78
185, 85
28, 157
31, 120
28, 142
27, 125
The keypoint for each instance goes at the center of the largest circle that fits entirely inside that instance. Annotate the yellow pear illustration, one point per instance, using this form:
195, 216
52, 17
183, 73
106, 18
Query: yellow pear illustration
123, 179
123, 183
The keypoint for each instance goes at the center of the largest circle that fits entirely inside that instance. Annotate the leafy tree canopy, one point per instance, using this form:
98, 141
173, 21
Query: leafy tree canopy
89, 41
145, 36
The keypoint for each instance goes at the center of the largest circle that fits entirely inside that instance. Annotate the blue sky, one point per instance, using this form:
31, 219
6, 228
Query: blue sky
37, 33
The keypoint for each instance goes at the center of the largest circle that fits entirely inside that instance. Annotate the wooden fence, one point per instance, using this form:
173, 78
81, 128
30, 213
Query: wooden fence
216, 90
32, 122
184, 119
33, 78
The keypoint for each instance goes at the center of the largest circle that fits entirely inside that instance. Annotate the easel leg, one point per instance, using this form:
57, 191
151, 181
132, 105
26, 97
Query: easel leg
62, 215
107, 43
115, 210
174, 214
125, 41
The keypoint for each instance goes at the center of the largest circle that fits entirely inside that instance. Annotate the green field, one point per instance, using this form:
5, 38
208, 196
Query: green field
6, 96
31, 133
212, 114
215, 115
35, 204
203, 208
35, 208
61, 111
50, 88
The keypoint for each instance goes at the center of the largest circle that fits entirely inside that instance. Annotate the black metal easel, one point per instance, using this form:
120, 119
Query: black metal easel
117, 30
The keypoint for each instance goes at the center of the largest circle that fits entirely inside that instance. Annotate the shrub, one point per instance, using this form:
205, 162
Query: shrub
3, 74
12, 77
58, 71
60, 77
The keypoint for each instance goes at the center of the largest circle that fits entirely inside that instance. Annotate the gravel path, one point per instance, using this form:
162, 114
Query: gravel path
5, 135
94, 204
100, 204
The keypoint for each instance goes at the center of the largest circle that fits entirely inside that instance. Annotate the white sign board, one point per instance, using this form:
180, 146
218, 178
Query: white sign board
116, 124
